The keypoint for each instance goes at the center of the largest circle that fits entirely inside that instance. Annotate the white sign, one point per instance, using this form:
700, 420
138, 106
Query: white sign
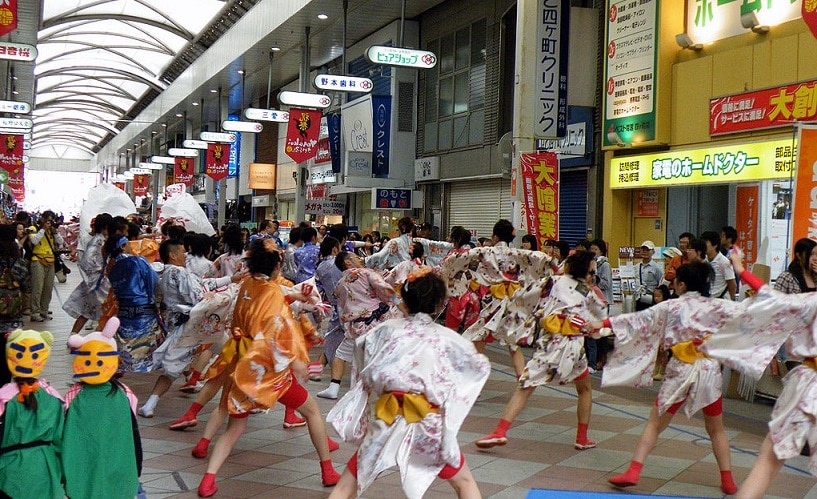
550, 87
16, 123
318, 101
17, 51
266, 115
427, 169
26, 146
321, 174
397, 56
264, 200
151, 166
336, 207
341, 83
25, 132
10, 106
26, 159
217, 137
242, 126
711, 21
185, 153
357, 125
195, 144
358, 164
141, 171
163, 159
573, 144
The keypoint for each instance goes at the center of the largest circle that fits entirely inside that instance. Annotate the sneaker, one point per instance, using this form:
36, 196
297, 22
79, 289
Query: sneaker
144, 412
491, 441
91, 326
314, 369
331, 392
293, 421
183, 422
587, 444
591, 370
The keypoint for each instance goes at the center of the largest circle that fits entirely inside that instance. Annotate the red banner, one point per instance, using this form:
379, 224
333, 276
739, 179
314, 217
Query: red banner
768, 108
540, 186
746, 220
809, 13
8, 16
17, 183
302, 134
120, 185
323, 155
183, 171
647, 205
141, 183
218, 161
11, 152
804, 213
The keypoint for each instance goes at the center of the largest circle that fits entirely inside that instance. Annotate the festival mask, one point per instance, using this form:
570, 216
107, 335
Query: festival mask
96, 356
27, 351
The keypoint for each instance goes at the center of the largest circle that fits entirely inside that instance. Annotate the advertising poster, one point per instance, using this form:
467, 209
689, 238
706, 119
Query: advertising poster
540, 188
183, 171
218, 161
303, 131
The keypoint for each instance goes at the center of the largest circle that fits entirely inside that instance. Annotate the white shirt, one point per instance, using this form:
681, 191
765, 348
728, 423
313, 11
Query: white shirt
722, 268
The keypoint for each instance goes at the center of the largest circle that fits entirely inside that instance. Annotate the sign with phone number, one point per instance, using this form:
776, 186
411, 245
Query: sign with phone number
727, 163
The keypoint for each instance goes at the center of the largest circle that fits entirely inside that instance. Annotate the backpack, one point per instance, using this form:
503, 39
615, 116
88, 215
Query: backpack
11, 299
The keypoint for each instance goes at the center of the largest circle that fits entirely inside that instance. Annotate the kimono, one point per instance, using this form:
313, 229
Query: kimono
414, 356
398, 274
226, 265
395, 251
464, 295
145, 247
435, 251
198, 265
360, 292
559, 356
306, 261
674, 325
86, 299
504, 271
327, 276
40, 463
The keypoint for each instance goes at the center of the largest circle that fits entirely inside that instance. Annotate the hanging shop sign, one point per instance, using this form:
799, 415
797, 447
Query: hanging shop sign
16, 123
141, 171
335, 205
8, 16
302, 134
166, 160
185, 153
11, 152
391, 199
725, 163
397, 56
10, 106
746, 219
241, 126
321, 174
301, 99
266, 115
17, 184
218, 161
262, 175
17, 51
151, 166
631, 62
767, 108
427, 169
183, 171
708, 21
195, 144
235, 151
341, 83
572, 145
323, 155
357, 125
217, 137
141, 184
540, 188
804, 212
550, 88
333, 129
809, 13
381, 135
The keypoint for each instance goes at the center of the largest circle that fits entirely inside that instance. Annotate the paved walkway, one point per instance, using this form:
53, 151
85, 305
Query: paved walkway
272, 462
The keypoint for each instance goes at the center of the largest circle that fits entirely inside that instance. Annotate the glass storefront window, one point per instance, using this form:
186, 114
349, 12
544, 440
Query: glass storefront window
384, 221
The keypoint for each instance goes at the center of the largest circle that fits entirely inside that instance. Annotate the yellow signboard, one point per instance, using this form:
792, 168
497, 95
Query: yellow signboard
719, 164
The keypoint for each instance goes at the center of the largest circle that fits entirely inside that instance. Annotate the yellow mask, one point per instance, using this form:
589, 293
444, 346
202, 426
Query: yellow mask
27, 351
96, 358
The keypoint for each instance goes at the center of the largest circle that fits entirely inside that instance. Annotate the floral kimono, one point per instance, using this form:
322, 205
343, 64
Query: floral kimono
86, 299
360, 292
395, 251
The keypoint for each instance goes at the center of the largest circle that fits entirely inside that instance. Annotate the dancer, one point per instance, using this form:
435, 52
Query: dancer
559, 357
260, 375
327, 276
398, 274
463, 305
679, 325
395, 250
422, 412
85, 301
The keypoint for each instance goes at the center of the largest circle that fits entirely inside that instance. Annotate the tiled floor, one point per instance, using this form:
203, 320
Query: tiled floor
272, 462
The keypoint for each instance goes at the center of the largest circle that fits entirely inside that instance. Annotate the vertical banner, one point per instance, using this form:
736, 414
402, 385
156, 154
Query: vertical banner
11, 152
540, 188
550, 87
17, 183
302, 134
746, 220
141, 184
804, 212
235, 150
647, 205
218, 161
333, 123
809, 13
183, 171
120, 185
381, 107
8, 16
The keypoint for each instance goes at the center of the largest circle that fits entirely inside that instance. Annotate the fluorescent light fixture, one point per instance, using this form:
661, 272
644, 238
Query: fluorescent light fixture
685, 42
749, 21
275, 49
323, 17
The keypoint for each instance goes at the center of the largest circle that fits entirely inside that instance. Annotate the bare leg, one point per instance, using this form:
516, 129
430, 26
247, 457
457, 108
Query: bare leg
225, 443
210, 389
464, 484
655, 425
79, 323
518, 360
517, 403
217, 418
317, 429
162, 385
338, 366
765, 469
720, 444
346, 488
585, 402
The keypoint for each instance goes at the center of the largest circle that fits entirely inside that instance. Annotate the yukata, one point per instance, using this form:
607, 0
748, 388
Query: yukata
199, 265
418, 359
393, 252
560, 356
133, 282
771, 319
288, 266
181, 290
462, 309
226, 264
679, 325
86, 299
505, 272
365, 299
34, 471
400, 272
306, 261
435, 251
327, 276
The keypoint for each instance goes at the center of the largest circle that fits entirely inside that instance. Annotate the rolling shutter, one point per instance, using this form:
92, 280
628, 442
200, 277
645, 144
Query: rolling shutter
572, 205
478, 204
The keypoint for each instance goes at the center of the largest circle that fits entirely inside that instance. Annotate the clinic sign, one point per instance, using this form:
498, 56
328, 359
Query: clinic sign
8, 106
711, 20
726, 163
550, 91
630, 65
768, 108
341, 83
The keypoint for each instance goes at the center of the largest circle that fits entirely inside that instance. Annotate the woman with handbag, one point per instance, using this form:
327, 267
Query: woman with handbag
43, 257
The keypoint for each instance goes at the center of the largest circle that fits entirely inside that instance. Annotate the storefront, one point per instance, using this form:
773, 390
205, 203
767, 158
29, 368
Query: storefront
478, 204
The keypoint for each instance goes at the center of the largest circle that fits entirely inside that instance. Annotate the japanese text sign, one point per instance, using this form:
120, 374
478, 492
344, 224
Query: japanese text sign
550, 90
266, 115
9, 106
391, 199
302, 134
540, 188
342, 83
11, 152
746, 220
262, 175
647, 205
17, 51
218, 161
772, 107
8, 16
140, 185
804, 212
17, 183
711, 20
381, 135
335, 205
724, 163
183, 171
397, 56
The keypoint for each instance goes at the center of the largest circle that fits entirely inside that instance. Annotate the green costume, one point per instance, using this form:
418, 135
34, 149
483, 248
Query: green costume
33, 471
101, 452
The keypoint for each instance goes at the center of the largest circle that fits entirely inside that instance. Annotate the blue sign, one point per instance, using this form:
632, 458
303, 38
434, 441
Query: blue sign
381, 110
235, 150
391, 199
333, 124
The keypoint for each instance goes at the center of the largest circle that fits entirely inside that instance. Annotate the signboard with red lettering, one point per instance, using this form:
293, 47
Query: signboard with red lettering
647, 203
804, 213
17, 51
17, 183
8, 16
183, 171
540, 188
141, 183
218, 161
746, 220
334, 205
768, 108
120, 185
302, 134
11, 151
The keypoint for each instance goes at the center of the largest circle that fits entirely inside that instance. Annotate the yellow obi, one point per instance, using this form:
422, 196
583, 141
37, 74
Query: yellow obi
811, 362
503, 289
687, 351
559, 324
413, 407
